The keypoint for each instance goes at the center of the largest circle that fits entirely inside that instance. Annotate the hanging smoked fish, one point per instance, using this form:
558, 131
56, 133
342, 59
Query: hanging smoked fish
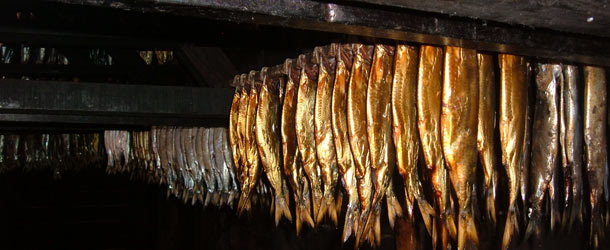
325, 146
545, 144
292, 167
379, 131
404, 121
459, 116
485, 132
429, 91
242, 129
269, 141
233, 124
252, 156
345, 160
356, 123
571, 143
596, 159
305, 130
513, 109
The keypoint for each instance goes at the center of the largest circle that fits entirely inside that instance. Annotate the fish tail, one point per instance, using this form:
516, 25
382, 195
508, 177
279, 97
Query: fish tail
216, 199
427, 211
339, 202
363, 229
306, 205
511, 226
450, 220
208, 199
351, 217
328, 206
377, 226
555, 214
444, 235
281, 205
597, 227
394, 208
317, 201
332, 209
243, 204
468, 237
409, 204
297, 218
534, 224
366, 215
491, 202
577, 212
321, 210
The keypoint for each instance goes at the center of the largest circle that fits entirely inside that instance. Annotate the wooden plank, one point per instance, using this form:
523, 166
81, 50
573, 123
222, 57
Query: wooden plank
577, 16
382, 22
102, 103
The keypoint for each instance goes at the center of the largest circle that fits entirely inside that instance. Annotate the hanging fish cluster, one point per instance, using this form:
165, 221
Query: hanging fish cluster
57, 151
341, 120
194, 162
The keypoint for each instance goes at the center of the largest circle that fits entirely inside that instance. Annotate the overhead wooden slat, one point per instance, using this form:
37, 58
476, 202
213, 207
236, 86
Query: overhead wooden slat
383, 22
112, 104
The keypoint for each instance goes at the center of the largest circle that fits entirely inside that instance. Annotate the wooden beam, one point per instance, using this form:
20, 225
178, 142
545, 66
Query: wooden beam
112, 104
383, 22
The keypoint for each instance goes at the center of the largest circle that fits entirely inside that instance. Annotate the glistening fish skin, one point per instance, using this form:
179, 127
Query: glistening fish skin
233, 124
545, 143
429, 90
241, 128
485, 131
379, 123
345, 161
356, 123
513, 109
571, 143
268, 139
459, 130
305, 130
404, 121
325, 145
252, 157
292, 169
596, 159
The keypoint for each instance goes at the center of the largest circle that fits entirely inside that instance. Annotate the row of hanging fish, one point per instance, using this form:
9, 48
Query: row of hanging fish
339, 122
194, 162
56, 151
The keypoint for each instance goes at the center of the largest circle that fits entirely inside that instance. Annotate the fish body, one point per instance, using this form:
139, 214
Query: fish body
512, 124
241, 128
485, 131
571, 144
357, 128
305, 130
221, 165
429, 91
233, 124
291, 162
345, 160
459, 115
252, 171
596, 159
325, 145
546, 142
269, 141
379, 127
229, 161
